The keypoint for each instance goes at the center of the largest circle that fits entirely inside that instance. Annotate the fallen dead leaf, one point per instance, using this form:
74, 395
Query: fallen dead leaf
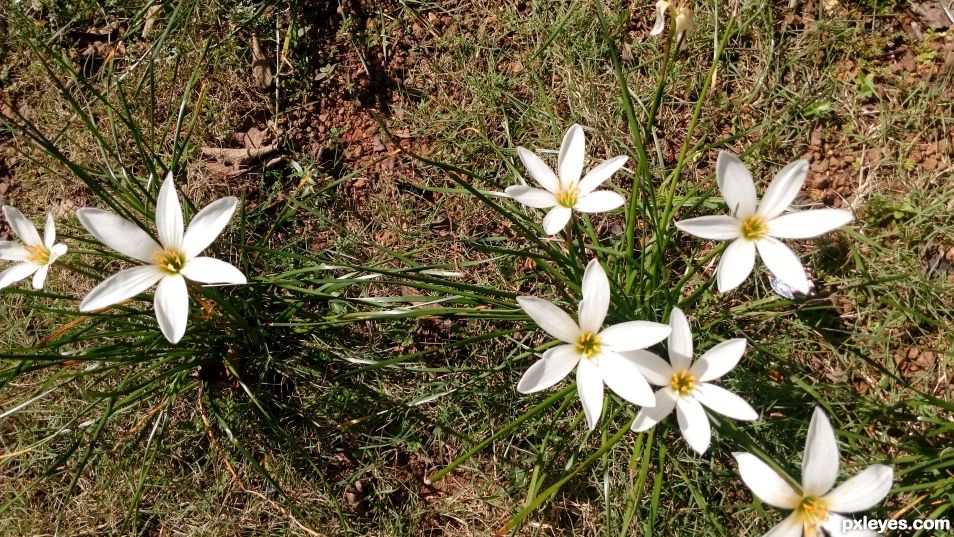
151, 15
261, 69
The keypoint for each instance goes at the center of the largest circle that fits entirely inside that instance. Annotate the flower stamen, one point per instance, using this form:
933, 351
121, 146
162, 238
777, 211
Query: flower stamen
38, 255
683, 383
754, 228
567, 197
588, 345
171, 261
812, 512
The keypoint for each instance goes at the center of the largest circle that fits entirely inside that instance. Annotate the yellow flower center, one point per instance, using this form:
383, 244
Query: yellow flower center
569, 196
812, 512
38, 255
171, 261
588, 345
682, 382
754, 228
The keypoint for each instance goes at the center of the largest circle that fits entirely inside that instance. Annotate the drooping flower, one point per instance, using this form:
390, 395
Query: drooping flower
34, 256
169, 263
755, 226
592, 350
683, 20
566, 192
686, 385
816, 506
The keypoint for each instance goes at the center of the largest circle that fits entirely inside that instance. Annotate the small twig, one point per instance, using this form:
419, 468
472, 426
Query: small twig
239, 155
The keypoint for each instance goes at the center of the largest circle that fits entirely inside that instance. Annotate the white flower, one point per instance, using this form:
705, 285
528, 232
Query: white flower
595, 353
170, 263
566, 193
753, 225
686, 384
35, 255
683, 16
816, 505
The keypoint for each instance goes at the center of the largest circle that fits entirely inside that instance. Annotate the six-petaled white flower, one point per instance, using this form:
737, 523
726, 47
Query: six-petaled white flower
170, 262
755, 226
683, 15
566, 192
816, 506
35, 255
686, 385
592, 350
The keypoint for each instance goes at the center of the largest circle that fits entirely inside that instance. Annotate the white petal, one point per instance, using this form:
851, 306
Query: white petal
661, 7
633, 335
820, 464
555, 365
22, 227
589, 384
531, 197
624, 378
718, 227
601, 173
656, 370
39, 277
863, 491
720, 400
572, 155
210, 270
207, 225
650, 416
120, 286
783, 263
56, 252
785, 186
119, 234
169, 215
693, 423
599, 202
680, 341
172, 307
790, 527
765, 482
718, 360
807, 224
49, 232
16, 273
556, 220
736, 264
551, 318
596, 298
11, 251
539, 170
735, 183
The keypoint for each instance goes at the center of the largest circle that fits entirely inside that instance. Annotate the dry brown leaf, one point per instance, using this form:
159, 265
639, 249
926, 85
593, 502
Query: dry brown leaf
151, 15
261, 69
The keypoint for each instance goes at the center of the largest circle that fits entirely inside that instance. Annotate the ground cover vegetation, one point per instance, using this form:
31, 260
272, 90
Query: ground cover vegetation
475, 268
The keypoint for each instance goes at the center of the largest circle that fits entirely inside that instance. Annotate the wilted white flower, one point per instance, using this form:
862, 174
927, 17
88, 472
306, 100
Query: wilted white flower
816, 506
170, 263
592, 350
755, 226
686, 384
683, 15
34, 256
567, 193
